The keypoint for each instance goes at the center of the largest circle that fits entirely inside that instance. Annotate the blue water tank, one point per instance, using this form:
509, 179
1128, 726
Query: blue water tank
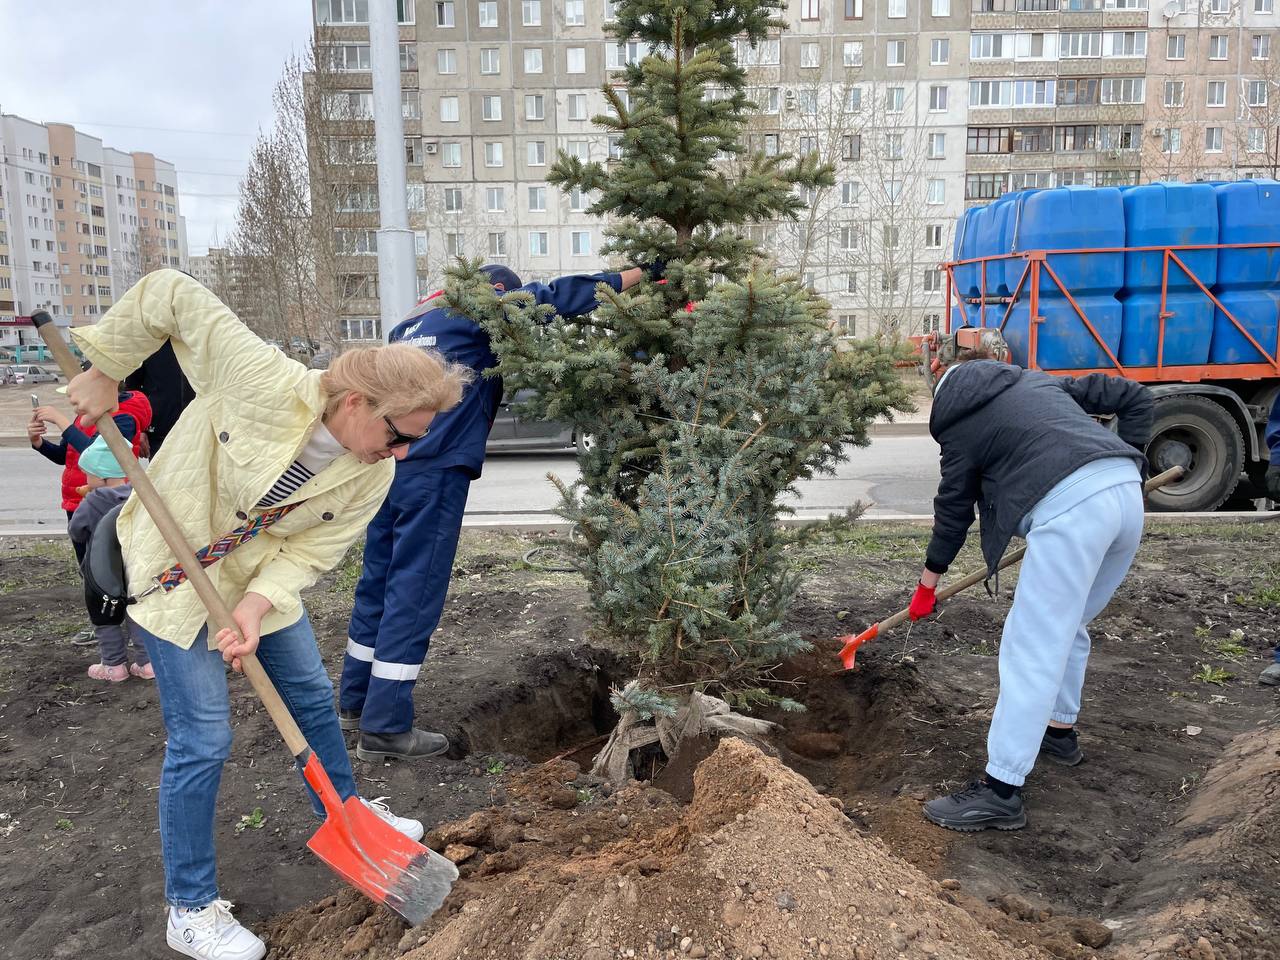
1171, 214
1068, 218
968, 230
1248, 280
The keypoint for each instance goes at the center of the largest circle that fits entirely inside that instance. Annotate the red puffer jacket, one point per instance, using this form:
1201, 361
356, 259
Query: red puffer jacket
132, 404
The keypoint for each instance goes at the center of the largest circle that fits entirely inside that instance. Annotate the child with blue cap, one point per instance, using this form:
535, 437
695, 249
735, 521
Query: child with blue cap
108, 489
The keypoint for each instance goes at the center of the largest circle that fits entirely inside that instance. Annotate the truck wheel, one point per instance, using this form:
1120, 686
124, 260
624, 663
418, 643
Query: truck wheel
1201, 437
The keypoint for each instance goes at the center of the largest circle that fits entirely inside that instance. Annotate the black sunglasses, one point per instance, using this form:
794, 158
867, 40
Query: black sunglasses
399, 439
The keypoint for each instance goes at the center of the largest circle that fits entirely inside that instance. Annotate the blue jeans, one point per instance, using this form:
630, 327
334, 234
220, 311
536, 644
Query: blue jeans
1075, 560
197, 717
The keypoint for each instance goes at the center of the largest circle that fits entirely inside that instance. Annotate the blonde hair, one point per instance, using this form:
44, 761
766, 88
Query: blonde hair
395, 379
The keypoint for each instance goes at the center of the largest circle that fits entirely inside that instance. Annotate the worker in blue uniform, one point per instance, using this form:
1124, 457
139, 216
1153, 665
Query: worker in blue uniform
1271, 675
410, 545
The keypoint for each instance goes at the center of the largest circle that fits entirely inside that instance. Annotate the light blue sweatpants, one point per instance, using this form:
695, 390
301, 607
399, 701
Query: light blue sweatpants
1076, 558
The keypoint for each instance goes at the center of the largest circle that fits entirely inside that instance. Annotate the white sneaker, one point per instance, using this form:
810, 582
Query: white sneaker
410, 828
212, 933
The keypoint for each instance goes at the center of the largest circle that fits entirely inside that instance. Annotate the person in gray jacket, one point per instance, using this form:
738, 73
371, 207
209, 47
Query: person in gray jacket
1021, 446
108, 489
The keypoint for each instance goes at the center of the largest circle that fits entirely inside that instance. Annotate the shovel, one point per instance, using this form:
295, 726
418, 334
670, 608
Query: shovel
851, 642
366, 852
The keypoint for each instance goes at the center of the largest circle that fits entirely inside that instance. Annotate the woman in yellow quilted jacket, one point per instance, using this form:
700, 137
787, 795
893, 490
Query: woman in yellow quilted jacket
264, 434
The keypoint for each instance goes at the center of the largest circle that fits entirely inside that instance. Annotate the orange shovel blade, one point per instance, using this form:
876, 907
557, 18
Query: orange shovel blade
375, 858
851, 644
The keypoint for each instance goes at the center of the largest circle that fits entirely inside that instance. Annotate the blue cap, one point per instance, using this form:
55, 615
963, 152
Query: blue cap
99, 461
503, 277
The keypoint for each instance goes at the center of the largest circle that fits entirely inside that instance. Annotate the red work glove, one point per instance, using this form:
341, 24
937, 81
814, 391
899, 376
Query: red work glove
923, 602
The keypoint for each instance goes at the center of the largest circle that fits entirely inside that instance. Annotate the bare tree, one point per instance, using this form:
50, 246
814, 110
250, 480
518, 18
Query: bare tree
1174, 147
1258, 130
297, 235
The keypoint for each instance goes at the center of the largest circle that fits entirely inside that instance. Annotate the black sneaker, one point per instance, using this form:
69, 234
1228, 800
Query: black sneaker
1064, 750
349, 719
977, 807
413, 744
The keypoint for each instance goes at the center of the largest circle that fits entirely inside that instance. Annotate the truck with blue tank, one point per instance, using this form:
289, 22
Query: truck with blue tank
1175, 285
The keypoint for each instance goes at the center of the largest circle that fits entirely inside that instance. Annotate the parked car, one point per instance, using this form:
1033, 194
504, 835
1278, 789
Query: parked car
28, 373
511, 434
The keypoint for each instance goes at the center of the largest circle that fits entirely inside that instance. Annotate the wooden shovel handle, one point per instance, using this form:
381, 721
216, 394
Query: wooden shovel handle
1013, 556
219, 613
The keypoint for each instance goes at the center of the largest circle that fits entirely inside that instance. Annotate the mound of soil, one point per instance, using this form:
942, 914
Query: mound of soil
758, 865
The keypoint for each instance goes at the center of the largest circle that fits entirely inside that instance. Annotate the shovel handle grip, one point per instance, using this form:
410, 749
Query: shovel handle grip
219, 613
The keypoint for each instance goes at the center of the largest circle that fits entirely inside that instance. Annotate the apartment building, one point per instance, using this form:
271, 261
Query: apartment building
81, 221
922, 106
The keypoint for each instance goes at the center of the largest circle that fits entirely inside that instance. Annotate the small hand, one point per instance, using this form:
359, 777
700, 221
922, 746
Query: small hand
52, 415
36, 431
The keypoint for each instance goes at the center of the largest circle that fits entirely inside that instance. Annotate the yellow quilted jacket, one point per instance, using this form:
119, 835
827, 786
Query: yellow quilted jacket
253, 412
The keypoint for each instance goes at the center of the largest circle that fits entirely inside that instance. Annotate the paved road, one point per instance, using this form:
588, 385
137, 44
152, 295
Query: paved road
897, 474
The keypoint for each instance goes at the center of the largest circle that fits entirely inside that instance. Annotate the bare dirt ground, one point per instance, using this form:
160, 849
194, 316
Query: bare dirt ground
1164, 842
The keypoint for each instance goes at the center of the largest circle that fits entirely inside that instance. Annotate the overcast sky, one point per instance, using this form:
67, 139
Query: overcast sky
190, 82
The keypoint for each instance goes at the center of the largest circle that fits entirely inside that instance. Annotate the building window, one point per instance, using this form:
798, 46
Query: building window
408, 56
933, 235
537, 199
808, 100
346, 58
446, 61
1255, 140
1175, 92
454, 245
577, 106
1219, 6
444, 13
343, 11
1218, 46
941, 8
990, 46
493, 154
578, 148
853, 99
809, 55
531, 13
932, 281
809, 9
937, 146
490, 62
1262, 6
851, 146
410, 108
1075, 45
580, 243
849, 191
1213, 139
533, 60
897, 9
850, 237
937, 99
495, 199
575, 13
576, 60
537, 153
1215, 93
984, 186
853, 9
1171, 140
806, 146
1123, 90
488, 13
1260, 46
413, 151
895, 99
1176, 47
533, 106
453, 199
497, 244
448, 109
1257, 93
940, 52
451, 154
1074, 139
1125, 43
853, 53
936, 191
896, 53
539, 243
491, 108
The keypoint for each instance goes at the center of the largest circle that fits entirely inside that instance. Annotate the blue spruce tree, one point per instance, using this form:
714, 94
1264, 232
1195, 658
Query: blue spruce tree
708, 395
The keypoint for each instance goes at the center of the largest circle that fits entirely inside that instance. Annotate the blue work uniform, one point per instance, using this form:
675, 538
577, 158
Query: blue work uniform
410, 545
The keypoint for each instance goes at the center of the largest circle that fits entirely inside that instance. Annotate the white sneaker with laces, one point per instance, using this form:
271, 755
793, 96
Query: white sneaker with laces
212, 933
410, 828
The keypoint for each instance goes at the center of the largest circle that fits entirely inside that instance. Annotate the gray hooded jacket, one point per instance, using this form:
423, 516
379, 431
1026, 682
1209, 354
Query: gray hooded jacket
1009, 435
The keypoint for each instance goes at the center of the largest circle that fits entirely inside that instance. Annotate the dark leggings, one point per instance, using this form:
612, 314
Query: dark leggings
78, 547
